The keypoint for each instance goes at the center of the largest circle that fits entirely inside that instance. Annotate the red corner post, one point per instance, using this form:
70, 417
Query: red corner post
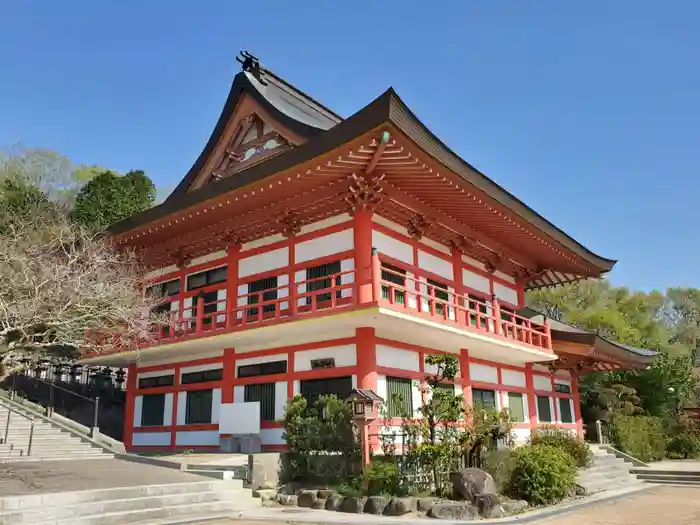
367, 375
362, 233
576, 398
131, 384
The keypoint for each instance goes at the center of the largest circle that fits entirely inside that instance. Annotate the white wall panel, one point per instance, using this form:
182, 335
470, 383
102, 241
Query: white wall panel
168, 410
378, 219
278, 237
504, 276
272, 436
436, 245
160, 272
381, 387
138, 410
325, 223
264, 262
477, 282
193, 438
397, 358
473, 262
542, 382
152, 439
238, 394
345, 355
215, 404
505, 294
392, 247
346, 265
181, 408
483, 373
437, 265
322, 246
280, 398
513, 377
213, 256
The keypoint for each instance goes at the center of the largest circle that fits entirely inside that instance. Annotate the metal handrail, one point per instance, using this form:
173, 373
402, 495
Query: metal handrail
11, 410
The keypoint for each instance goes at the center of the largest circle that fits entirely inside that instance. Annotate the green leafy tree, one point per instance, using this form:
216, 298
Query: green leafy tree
109, 198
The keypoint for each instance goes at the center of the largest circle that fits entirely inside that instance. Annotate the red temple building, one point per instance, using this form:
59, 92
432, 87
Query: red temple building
305, 253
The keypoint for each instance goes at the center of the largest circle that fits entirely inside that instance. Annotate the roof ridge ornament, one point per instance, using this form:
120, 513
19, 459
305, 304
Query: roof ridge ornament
251, 64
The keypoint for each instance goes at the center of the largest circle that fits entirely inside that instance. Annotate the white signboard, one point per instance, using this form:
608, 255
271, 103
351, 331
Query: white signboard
239, 418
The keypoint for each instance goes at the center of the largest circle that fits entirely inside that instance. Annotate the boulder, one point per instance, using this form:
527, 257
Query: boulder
334, 502
353, 504
376, 504
425, 504
454, 511
319, 503
468, 483
265, 494
325, 493
400, 506
489, 506
513, 506
288, 500
307, 498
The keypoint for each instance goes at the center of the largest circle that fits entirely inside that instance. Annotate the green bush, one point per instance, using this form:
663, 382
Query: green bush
563, 439
641, 437
685, 445
542, 475
383, 478
500, 464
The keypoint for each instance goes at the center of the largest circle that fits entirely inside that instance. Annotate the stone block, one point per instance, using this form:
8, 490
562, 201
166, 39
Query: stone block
401, 506
353, 504
376, 504
307, 498
334, 502
454, 511
264, 470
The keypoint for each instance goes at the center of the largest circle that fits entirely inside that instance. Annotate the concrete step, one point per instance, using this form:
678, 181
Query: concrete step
592, 476
32, 458
613, 484
207, 499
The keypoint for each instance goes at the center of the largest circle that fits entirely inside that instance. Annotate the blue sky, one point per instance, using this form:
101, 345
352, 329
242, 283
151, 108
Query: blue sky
587, 111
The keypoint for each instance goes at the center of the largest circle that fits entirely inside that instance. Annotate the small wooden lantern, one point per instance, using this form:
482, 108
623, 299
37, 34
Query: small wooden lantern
365, 404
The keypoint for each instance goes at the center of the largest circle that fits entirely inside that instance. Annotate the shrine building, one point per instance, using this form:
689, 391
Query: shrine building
306, 253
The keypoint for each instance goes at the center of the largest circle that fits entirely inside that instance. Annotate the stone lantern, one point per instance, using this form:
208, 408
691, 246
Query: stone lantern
365, 405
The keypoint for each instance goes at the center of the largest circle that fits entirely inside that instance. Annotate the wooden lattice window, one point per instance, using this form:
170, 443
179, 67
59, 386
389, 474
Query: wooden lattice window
269, 288
393, 278
152, 410
323, 270
198, 407
265, 394
400, 397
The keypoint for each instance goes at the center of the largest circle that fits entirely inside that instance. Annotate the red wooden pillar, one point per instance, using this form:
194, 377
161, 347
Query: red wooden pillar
458, 277
362, 233
577, 404
293, 291
131, 383
232, 286
173, 419
531, 402
229, 372
367, 374
466, 377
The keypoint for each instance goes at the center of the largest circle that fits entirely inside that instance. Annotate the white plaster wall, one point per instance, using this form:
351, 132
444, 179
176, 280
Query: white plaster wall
199, 368
346, 265
345, 355
520, 435
513, 377
145, 439
263, 262
436, 245
504, 293
389, 224
278, 237
417, 398
167, 410
381, 387
296, 385
392, 247
271, 436
197, 438
542, 382
437, 265
283, 291
239, 394
541, 368
208, 258
397, 358
138, 410
160, 272
475, 281
144, 375
280, 398
483, 373
473, 262
322, 246
181, 408
325, 223
432, 369
504, 276
215, 404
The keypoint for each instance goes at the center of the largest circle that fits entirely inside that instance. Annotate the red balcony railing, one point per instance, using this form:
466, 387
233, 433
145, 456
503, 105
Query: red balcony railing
209, 310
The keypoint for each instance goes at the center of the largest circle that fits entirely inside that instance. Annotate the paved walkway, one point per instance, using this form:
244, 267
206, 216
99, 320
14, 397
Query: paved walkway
86, 474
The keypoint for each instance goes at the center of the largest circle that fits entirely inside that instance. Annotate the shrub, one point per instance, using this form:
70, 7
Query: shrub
383, 478
685, 445
500, 464
562, 439
641, 437
542, 475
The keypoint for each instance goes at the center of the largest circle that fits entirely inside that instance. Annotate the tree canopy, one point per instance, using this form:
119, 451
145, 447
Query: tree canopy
109, 197
667, 322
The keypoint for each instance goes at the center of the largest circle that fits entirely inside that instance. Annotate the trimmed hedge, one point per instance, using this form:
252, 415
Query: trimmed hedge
641, 437
543, 474
685, 445
563, 439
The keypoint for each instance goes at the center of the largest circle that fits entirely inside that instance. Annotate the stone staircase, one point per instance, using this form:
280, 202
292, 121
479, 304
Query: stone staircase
607, 472
660, 476
182, 502
48, 441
